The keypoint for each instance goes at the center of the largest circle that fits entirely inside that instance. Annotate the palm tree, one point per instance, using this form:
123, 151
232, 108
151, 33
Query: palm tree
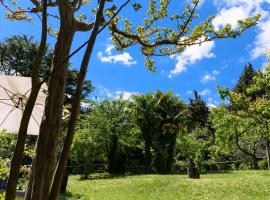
170, 112
110, 125
143, 110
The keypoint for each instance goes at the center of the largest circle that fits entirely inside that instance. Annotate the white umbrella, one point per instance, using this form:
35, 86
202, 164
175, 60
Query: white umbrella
14, 93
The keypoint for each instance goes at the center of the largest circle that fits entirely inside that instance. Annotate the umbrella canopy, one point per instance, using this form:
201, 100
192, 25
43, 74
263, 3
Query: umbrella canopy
14, 93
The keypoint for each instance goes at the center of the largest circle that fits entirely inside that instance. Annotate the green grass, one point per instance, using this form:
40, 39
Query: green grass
239, 185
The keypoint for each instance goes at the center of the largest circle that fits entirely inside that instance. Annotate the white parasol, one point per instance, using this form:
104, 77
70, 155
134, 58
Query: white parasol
14, 93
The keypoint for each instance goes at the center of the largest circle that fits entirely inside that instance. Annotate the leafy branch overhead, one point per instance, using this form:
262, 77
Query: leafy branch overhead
156, 40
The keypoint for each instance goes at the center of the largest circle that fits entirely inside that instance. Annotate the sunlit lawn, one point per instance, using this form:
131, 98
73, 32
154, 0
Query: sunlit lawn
239, 185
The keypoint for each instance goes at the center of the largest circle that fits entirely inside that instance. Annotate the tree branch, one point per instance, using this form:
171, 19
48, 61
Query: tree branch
82, 26
85, 43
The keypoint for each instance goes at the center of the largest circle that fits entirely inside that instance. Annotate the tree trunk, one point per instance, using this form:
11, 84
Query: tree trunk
113, 154
51, 124
75, 108
30, 182
193, 171
170, 159
19, 148
22, 134
268, 152
64, 181
148, 157
255, 162
161, 160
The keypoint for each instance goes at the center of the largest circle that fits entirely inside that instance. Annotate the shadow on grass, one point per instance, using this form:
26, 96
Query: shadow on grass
217, 172
70, 196
103, 176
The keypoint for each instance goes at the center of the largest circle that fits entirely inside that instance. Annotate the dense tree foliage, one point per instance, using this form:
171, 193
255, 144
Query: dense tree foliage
16, 59
245, 80
251, 116
142, 108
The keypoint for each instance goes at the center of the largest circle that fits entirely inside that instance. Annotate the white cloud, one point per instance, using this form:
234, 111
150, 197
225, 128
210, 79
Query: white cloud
108, 57
205, 92
230, 11
262, 42
105, 93
211, 105
125, 95
230, 16
210, 76
192, 55
109, 49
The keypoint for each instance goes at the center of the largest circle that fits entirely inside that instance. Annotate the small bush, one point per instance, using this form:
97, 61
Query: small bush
244, 166
3, 169
263, 164
2, 196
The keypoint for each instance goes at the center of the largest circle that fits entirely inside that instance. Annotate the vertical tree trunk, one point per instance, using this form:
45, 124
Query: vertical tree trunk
30, 182
51, 124
22, 134
193, 171
268, 152
64, 181
58, 176
148, 157
170, 159
113, 155
255, 162
19, 148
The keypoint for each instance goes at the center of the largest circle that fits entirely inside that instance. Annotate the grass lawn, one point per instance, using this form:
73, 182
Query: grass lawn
238, 185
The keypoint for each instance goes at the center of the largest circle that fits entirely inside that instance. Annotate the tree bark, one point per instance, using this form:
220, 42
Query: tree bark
30, 182
64, 181
58, 176
22, 134
255, 162
170, 159
113, 167
193, 172
148, 157
19, 148
268, 152
51, 124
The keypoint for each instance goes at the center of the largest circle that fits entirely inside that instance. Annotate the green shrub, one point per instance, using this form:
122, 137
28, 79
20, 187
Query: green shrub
3, 169
7, 143
244, 166
263, 164
2, 196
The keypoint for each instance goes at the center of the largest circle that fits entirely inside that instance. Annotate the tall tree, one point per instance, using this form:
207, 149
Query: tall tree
21, 139
237, 129
109, 124
17, 54
199, 111
143, 110
245, 80
198, 133
170, 113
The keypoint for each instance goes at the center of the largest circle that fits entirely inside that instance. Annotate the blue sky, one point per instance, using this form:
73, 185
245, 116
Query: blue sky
198, 67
